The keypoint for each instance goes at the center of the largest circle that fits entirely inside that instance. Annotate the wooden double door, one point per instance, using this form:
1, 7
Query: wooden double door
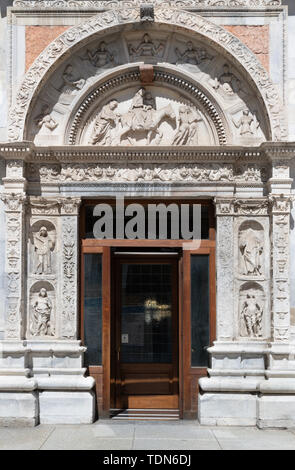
144, 342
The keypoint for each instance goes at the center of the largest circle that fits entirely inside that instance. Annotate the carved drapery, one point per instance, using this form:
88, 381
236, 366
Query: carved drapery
14, 264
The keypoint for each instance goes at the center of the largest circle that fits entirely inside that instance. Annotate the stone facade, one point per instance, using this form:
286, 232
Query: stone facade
110, 98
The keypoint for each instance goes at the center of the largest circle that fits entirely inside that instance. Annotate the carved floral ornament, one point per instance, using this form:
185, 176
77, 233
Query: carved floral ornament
119, 4
74, 37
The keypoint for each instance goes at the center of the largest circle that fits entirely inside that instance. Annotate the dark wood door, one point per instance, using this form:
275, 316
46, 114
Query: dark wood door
145, 359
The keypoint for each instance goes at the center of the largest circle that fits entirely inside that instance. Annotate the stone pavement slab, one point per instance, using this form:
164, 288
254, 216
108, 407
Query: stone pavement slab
143, 435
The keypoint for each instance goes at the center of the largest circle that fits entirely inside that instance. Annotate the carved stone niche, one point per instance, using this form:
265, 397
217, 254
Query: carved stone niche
42, 249
42, 311
251, 249
252, 311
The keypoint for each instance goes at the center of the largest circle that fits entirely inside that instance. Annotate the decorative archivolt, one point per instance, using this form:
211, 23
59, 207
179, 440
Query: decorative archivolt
120, 4
110, 22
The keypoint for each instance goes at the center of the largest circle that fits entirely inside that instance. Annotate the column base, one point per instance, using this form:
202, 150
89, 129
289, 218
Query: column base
66, 407
18, 409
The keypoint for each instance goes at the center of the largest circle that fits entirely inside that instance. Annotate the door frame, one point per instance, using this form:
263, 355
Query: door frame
188, 376
137, 258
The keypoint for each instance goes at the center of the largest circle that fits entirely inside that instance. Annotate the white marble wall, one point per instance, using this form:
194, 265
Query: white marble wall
2, 253
3, 78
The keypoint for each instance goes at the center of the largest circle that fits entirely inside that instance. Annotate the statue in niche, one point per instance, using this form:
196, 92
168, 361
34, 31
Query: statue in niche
71, 85
43, 246
186, 133
191, 55
41, 316
246, 123
227, 81
45, 119
146, 48
107, 120
252, 315
101, 56
251, 248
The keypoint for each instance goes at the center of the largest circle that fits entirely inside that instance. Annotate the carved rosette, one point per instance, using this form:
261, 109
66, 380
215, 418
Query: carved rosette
224, 265
15, 211
69, 266
281, 207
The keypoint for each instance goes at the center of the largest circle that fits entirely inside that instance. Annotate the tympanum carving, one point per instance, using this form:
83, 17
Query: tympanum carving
147, 47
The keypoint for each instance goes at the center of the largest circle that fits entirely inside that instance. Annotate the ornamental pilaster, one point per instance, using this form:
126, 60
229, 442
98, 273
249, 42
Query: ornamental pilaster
280, 229
69, 267
225, 268
14, 264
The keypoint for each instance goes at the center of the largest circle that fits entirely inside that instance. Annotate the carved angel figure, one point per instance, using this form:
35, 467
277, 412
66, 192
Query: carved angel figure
70, 83
245, 123
45, 118
186, 133
101, 56
191, 55
251, 249
43, 246
227, 81
41, 317
104, 123
146, 48
252, 316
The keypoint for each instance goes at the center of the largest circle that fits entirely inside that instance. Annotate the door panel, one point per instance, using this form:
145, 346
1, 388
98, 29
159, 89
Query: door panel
146, 333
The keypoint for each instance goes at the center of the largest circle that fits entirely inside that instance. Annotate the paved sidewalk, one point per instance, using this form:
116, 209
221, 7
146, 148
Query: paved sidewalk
178, 435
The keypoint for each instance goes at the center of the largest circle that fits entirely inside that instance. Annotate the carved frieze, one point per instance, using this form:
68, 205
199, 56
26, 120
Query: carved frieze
118, 4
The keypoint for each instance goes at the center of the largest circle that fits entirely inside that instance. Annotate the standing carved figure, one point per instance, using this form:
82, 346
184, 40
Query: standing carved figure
41, 318
251, 249
104, 123
252, 315
245, 123
187, 126
43, 246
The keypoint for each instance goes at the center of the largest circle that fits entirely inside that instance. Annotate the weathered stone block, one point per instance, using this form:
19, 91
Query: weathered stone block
66, 407
18, 409
227, 409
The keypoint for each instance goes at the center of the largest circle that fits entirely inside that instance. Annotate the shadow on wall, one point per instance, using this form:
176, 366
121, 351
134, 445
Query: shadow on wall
291, 5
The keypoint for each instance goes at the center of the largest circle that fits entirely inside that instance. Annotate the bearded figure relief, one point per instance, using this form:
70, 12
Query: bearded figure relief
43, 246
41, 315
251, 249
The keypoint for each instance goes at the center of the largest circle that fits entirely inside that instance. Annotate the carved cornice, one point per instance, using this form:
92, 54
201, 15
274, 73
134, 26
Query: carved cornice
107, 4
105, 21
